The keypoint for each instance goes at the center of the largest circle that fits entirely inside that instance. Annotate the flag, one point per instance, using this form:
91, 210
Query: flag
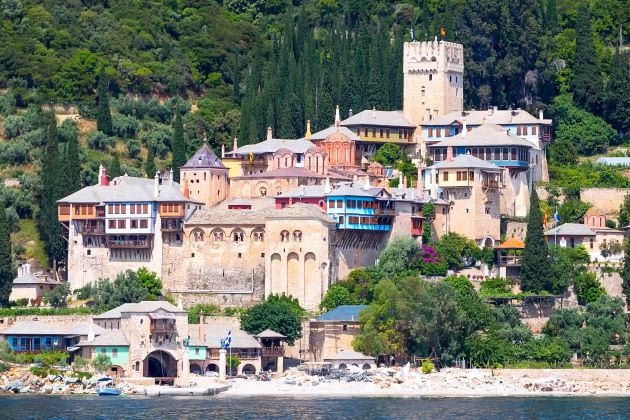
251, 156
227, 341
546, 217
556, 216
442, 31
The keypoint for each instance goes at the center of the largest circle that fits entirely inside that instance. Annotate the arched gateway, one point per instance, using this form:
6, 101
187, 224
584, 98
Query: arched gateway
160, 364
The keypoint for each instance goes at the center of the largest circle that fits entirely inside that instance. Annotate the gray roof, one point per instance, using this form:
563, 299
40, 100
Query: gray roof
107, 338
378, 118
220, 216
355, 190
126, 189
342, 313
485, 135
284, 173
140, 307
33, 279
307, 190
466, 161
301, 211
215, 332
613, 161
203, 159
349, 355
572, 229
269, 333
273, 145
323, 134
500, 117
44, 328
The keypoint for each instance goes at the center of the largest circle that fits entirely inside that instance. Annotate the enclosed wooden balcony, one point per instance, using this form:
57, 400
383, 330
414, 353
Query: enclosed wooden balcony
129, 243
273, 351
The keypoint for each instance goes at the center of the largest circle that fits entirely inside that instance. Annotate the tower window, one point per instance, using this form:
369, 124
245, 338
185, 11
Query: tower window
430, 77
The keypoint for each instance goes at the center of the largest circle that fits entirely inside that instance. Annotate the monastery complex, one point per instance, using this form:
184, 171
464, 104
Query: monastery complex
295, 216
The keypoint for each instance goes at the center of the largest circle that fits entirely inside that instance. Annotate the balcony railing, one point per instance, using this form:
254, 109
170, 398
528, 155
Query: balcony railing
273, 351
490, 184
129, 244
507, 260
163, 329
172, 227
385, 212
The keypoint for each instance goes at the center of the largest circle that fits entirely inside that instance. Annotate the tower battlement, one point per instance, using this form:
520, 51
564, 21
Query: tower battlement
433, 56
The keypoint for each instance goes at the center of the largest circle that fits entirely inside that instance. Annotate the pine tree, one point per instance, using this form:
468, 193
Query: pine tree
103, 113
114, 167
587, 76
149, 165
625, 272
179, 146
536, 268
6, 263
617, 94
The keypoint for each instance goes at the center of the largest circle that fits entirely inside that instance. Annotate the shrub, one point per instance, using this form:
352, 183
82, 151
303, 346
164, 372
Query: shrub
125, 126
100, 141
207, 309
495, 287
101, 363
7, 103
427, 367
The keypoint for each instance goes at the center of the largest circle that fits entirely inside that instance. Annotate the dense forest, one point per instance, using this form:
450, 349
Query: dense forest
232, 68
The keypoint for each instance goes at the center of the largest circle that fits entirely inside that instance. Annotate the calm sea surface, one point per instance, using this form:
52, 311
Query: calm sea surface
225, 407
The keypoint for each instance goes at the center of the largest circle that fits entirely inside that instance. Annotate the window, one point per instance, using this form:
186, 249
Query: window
145, 209
144, 224
197, 235
258, 236
380, 133
284, 236
514, 153
238, 235
114, 353
103, 350
110, 208
365, 132
122, 224
339, 204
591, 243
471, 175
123, 209
445, 176
197, 349
352, 204
263, 192
430, 77
111, 224
132, 209
331, 204
134, 223
430, 134
534, 130
297, 236
353, 220
438, 132
387, 133
487, 210
373, 131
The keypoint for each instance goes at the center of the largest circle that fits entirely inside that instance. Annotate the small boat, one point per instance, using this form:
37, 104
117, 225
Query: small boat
108, 390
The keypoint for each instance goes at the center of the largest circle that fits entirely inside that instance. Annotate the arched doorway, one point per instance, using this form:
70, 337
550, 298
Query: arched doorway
160, 364
212, 367
249, 369
195, 368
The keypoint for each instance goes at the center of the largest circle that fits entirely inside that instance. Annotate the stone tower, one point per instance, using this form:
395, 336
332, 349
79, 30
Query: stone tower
433, 80
204, 177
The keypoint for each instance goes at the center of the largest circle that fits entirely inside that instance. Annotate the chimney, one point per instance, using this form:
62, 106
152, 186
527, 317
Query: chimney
156, 185
235, 149
464, 129
186, 189
350, 113
102, 176
327, 189
223, 151
449, 154
366, 185
494, 109
420, 185
269, 133
337, 117
91, 335
540, 115
170, 181
400, 180
373, 112
307, 136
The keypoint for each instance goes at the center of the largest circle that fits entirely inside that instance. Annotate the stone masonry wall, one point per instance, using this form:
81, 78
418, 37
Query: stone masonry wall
607, 200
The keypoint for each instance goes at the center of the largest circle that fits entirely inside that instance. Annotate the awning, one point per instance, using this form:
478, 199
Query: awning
162, 315
73, 348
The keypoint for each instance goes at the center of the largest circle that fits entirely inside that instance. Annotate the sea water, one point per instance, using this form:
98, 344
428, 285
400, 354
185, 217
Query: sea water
227, 407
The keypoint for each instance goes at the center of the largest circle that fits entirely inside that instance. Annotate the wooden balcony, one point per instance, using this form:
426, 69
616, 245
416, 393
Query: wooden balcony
172, 225
92, 230
385, 212
491, 184
273, 351
129, 244
510, 260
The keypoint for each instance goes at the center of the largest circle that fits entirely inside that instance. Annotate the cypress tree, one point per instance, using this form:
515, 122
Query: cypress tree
6, 263
71, 167
625, 272
114, 167
179, 146
536, 268
617, 94
587, 76
624, 212
149, 165
103, 113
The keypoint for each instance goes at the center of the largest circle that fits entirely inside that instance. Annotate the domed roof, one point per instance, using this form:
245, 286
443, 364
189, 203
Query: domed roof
337, 136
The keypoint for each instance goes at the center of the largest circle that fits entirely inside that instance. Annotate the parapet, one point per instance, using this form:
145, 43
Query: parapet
433, 56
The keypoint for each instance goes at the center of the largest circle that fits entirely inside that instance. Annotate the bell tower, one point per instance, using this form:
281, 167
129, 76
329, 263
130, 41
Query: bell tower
433, 80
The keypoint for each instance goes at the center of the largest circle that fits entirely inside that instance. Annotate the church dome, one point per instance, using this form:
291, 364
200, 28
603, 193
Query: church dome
337, 137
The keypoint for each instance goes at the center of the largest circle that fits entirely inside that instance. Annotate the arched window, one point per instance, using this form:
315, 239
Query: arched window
284, 236
238, 235
258, 235
263, 192
217, 235
297, 236
197, 235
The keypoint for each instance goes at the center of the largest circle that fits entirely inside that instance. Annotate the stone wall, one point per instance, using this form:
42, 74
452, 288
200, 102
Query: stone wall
355, 249
607, 200
514, 229
57, 320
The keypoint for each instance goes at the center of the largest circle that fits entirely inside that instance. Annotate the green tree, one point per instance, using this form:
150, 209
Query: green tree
617, 94
114, 167
103, 112
7, 272
587, 77
282, 314
232, 363
206, 308
149, 164
573, 211
563, 151
58, 297
179, 146
624, 212
336, 295
399, 257
71, 163
588, 288
101, 363
625, 271
151, 282
536, 268
456, 250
